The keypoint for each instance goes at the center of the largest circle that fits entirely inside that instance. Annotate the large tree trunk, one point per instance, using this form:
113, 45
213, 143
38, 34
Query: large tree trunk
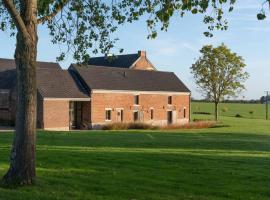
22, 160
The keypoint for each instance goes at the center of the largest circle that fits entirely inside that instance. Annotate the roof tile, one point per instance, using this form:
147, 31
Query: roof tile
112, 78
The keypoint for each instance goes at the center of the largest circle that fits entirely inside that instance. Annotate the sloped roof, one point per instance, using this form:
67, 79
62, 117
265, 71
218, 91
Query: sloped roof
7, 64
52, 81
121, 61
59, 84
8, 71
110, 78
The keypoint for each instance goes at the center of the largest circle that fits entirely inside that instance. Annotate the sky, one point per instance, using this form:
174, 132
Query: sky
178, 48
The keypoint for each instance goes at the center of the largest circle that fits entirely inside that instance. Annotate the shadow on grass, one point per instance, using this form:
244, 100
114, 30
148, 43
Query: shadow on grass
140, 175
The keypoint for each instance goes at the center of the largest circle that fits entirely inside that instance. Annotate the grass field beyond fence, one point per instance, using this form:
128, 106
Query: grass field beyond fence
231, 162
232, 109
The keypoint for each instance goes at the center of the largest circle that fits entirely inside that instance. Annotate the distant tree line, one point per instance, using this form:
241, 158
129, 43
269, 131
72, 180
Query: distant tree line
251, 101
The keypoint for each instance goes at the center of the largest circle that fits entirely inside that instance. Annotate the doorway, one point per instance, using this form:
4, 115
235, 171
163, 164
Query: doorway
169, 117
75, 115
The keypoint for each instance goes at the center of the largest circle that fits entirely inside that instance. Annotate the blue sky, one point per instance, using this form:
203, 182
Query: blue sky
178, 48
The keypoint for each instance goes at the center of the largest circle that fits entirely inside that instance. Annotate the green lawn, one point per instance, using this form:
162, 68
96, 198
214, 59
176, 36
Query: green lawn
218, 163
231, 109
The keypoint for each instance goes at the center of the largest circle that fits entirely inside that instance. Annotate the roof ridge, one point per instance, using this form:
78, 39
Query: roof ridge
122, 69
114, 55
12, 59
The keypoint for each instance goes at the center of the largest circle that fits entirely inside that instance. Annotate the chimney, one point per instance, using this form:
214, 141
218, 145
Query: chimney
142, 53
108, 55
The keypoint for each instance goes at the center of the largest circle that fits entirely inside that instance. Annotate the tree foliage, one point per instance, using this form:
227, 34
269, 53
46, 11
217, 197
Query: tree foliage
87, 26
219, 73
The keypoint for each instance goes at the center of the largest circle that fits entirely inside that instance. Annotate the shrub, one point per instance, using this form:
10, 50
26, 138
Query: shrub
143, 126
238, 115
192, 125
251, 112
115, 126
139, 125
128, 126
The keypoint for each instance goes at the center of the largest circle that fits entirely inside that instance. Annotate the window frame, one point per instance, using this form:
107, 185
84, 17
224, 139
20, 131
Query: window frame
109, 110
136, 100
138, 116
152, 113
170, 100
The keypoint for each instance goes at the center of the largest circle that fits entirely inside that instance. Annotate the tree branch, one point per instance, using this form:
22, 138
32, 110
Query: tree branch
58, 8
16, 17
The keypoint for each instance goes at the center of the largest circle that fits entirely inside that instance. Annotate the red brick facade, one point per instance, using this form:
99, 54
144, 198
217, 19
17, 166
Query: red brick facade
125, 102
54, 114
143, 63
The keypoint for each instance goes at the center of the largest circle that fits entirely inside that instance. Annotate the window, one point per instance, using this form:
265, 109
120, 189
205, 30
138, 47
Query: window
108, 115
136, 116
169, 100
184, 112
4, 99
152, 113
120, 115
136, 100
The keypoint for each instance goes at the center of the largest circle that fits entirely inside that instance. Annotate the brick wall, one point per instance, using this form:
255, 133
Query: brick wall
143, 64
56, 114
158, 102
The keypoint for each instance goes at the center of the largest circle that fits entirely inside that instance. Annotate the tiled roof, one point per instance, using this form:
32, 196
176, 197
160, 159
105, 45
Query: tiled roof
109, 78
52, 81
8, 71
7, 64
121, 61
59, 84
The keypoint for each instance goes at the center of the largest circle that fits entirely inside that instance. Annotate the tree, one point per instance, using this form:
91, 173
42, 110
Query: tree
219, 73
85, 27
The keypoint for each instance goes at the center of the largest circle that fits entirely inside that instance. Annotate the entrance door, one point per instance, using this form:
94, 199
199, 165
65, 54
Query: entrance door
169, 117
120, 115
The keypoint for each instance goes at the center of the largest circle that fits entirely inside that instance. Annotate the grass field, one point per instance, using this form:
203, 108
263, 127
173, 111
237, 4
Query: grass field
230, 162
231, 109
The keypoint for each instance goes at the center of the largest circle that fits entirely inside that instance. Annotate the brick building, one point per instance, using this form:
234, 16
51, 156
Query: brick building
125, 88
